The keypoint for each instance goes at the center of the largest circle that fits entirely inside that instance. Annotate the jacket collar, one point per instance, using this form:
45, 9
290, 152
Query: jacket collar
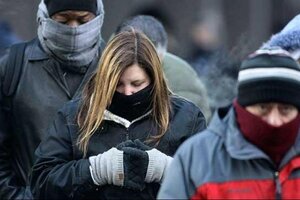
119, 120
224, 125
37, 52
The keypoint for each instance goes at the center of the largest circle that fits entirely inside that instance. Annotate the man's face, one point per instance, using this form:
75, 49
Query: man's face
73, 18
275, 114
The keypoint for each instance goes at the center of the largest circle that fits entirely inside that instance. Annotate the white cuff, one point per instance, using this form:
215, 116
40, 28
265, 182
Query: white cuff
92, 175
117, 167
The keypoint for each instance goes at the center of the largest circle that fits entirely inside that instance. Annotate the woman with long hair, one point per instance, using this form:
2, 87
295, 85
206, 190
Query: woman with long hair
117, 139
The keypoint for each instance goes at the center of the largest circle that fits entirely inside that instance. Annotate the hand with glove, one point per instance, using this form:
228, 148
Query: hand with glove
135, 144
135, 168
157, 165
157, 161
135, 163
131, 165
107, 168
125, 166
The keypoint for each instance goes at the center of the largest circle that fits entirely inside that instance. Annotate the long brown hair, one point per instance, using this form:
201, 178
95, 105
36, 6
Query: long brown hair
125, 49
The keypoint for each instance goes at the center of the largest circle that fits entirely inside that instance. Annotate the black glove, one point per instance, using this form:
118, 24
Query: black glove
140, 145
134, 144
127, 143
135, 163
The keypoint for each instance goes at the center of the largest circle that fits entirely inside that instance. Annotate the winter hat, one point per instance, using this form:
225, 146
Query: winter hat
269, 75
55, 6
288, 38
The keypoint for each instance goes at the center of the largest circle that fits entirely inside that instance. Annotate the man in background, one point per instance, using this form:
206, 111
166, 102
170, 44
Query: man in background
53, 71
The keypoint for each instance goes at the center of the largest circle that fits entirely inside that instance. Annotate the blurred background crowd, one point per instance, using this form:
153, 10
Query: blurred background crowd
212, 35
191, 24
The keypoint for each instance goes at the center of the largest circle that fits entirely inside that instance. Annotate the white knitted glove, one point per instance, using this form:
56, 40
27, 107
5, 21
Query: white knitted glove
158, 163
107, 168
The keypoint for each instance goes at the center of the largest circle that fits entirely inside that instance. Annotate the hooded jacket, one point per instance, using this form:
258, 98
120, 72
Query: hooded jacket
184, 81
42, 90
61, 171
220, 163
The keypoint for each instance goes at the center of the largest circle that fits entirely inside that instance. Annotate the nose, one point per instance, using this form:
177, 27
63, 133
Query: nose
127, 90
274, 118
73, 23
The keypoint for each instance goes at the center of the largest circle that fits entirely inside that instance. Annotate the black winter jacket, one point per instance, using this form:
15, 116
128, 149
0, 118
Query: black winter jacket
61, 172
41, 92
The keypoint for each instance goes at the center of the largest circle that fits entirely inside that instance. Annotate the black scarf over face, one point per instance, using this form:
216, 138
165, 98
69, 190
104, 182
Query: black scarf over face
132, 106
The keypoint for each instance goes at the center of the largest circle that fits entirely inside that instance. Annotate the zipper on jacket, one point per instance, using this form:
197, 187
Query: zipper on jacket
278, 186
127, 133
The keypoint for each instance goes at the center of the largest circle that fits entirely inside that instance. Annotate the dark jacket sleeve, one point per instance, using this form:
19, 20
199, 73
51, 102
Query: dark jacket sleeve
56, 174
10, 188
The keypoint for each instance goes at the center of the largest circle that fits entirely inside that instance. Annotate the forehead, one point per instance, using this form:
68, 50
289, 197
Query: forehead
273, 104
133, 71
73, 13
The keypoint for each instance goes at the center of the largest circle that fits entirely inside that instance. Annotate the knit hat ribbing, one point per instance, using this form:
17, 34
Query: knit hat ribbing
269, 75
55, 6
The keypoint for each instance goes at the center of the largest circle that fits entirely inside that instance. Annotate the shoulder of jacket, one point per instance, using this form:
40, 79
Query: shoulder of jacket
199, 144
6, 55
177, 63
35, 51
181, 103
32, 44
176, 66
182, 78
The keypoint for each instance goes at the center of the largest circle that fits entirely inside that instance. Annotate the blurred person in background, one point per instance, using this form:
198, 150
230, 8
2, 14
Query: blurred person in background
217, 68
181, 78
206, 37
117, 140
7, 36
55, 67
251, 150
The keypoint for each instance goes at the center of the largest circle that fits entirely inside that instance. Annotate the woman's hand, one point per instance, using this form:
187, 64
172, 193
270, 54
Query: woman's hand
107, 168
131, 165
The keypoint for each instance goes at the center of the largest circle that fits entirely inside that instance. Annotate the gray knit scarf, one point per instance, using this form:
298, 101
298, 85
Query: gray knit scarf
71, 46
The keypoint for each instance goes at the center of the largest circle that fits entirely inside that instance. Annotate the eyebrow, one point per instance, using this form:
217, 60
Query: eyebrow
67, 13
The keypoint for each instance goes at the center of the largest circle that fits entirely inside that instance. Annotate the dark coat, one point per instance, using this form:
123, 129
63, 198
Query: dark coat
61, 171
40, 93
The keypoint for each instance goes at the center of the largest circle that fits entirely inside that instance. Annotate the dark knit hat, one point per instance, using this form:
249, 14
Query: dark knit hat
55, 6
269, 75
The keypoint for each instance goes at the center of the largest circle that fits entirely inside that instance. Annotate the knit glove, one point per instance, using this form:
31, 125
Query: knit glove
157, 166
107, 168
140, 145
127, 143
135, 168
135, 144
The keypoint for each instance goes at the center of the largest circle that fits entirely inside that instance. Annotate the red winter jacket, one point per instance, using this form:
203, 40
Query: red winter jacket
220, 164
